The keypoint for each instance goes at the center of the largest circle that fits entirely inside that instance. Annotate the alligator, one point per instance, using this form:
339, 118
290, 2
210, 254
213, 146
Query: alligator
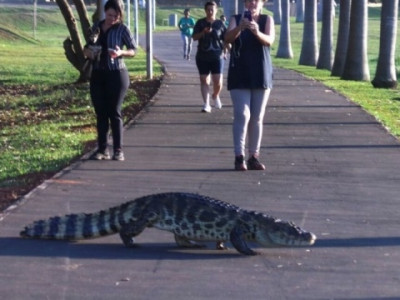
190, 217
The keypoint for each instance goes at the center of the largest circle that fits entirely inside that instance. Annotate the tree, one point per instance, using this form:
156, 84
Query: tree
385, 76
300, 11
356, 65
325, 58
342, 38
277, 11
285, 46
73, 45
309, 45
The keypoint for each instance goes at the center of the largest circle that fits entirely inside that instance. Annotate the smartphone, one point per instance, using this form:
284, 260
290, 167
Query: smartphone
247, 15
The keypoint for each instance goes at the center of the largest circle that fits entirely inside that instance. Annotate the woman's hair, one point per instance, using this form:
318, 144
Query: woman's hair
118, 6
213, 3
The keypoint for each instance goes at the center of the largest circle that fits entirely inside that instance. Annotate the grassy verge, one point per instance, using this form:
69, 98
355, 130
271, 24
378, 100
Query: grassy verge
46, 120
383, 104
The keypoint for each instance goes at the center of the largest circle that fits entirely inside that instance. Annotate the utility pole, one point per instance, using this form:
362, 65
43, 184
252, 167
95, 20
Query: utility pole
149, 39
34, 18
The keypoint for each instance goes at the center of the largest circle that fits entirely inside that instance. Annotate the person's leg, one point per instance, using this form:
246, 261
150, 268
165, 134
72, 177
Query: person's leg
205, 92
204, 72
98, 96
117, 86
189, 49
217, 77
259, 100
217, 85
241, 116
185, 45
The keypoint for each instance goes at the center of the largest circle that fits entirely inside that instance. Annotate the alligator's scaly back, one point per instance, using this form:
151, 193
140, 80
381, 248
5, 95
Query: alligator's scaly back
189, 217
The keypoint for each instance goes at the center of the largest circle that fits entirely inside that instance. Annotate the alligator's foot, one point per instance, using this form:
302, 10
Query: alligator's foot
127, 240
186, 243
220, 246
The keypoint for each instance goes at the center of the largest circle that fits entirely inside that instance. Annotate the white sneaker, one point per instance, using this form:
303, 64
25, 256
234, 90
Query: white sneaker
218, 103
206, 108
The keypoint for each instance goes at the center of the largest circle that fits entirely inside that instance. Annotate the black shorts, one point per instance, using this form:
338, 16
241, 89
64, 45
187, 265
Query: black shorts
206, 67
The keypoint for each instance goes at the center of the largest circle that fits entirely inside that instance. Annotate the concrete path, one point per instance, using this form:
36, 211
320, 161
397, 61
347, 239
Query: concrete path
331, 168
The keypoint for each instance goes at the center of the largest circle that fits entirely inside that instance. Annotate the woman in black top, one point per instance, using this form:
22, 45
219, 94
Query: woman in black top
210, 33
109, 81
249, 79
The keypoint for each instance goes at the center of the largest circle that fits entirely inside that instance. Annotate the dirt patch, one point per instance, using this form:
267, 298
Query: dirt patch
13, 190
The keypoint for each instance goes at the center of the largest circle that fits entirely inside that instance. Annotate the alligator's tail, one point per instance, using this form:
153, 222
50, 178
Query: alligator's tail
77, 226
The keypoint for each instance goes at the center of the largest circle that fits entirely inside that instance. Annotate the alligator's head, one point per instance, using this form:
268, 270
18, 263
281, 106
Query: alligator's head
278, 232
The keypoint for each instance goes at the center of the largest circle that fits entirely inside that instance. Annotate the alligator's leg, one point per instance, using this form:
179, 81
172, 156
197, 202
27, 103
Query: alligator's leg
186, 243
134, 228
239, 243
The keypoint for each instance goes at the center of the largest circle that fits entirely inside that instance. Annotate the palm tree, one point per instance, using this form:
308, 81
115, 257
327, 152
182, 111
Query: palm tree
356, 65
309, 45
325, 58
277, 11
300, 11
342, 38
285, 46
385, 76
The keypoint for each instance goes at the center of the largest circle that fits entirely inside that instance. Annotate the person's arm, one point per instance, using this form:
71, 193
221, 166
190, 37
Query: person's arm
198, 35
129, 42
267, 37
125, 52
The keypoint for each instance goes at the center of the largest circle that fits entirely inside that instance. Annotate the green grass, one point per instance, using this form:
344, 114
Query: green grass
383, 104
45, 119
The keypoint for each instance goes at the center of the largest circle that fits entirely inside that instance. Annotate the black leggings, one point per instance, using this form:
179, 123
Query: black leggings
108, 90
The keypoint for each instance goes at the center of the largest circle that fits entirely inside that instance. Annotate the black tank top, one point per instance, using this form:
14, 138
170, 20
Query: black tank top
250, 65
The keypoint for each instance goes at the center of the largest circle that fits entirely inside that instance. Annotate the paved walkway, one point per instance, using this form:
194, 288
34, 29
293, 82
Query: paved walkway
331, 168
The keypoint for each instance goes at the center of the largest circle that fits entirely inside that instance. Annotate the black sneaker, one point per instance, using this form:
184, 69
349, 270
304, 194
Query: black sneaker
254, 164
100, 155
118, 155
240, 164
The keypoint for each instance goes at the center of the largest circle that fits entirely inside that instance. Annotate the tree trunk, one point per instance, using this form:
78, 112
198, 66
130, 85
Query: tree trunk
356, 65
277, 12
285, 46
385, 76
73, 45
325, 58
309, 45
342, 38
99, 11
300, 11
83, 17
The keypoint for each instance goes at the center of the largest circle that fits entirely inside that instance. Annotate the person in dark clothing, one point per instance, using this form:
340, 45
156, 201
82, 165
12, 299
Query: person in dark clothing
109, 81
209, 32
249, 79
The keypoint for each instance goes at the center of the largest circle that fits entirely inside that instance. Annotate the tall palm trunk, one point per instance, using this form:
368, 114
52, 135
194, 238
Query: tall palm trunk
277, 12
385, 76
285, 46
342, 38
309, 45
356, 65
300, 11
325, 58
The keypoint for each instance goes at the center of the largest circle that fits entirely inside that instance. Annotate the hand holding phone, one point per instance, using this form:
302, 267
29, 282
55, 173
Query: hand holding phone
247, 15
112, 52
